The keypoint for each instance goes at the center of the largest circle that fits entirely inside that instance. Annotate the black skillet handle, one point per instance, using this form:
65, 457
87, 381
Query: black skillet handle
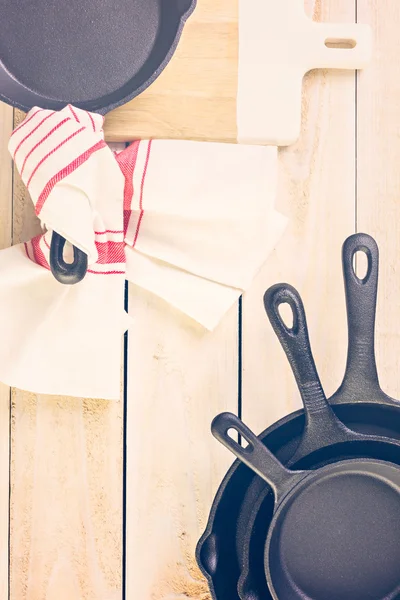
361, 380
66, 273
321, 426
296, 344
255, 455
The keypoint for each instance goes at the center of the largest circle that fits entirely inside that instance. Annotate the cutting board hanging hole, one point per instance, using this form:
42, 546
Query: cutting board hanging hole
340, 43
269, 106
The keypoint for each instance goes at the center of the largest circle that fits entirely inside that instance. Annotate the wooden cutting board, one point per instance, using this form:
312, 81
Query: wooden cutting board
279, 44
196, 96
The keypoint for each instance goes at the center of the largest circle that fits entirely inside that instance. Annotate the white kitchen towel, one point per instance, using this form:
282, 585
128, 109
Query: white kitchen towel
61, 339
191, 222
200, 221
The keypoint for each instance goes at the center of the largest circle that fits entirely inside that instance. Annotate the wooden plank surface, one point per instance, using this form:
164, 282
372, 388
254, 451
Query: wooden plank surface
195, 96
66, 469
66, 485
378, 175
179, 378
317, 192
6, 124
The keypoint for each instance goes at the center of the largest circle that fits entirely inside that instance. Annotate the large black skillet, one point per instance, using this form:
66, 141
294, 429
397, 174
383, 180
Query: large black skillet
94, 54
244, 498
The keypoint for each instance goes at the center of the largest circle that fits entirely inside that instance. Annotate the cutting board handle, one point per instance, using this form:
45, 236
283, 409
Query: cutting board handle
342, 46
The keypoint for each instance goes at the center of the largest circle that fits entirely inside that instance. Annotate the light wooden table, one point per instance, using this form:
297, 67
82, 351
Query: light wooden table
88, 520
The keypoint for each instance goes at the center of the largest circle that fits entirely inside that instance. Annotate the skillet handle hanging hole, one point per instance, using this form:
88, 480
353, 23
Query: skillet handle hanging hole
360, 257
238, 436
256, 456
286, 314
283, 303
223, 428
285, 310
361, 264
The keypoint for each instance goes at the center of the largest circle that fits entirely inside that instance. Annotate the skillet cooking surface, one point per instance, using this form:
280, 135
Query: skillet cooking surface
80, 52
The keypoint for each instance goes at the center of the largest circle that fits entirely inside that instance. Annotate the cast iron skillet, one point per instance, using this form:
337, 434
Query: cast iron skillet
94, 54
242, 497
324, 438
324, 435
335, 532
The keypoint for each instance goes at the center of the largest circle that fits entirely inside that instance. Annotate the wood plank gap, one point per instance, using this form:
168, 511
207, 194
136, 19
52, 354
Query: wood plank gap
66, 483
316, 191
10, 393
378, 175
180, 377
356, 75
124, 448
9, 493
240, 361
6, 186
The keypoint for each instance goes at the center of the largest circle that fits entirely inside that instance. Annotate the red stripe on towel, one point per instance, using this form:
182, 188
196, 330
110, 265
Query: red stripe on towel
92, 120
26, 121
43, 140
77, 162
74, 113
141, 195
106, 272
51, 153
31, 133
40, 258
110, 252
127, 162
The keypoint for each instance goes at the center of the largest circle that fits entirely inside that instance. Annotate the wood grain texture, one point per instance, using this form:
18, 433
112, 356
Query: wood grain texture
66, 521
66, 484
317, 192
178, 381
179, 378
279, 47
6, 125
66, 470
195, 96
378, 175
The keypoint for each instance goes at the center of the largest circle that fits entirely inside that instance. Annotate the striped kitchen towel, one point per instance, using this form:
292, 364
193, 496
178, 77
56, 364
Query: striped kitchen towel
199, 220
192, 222
61, 339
